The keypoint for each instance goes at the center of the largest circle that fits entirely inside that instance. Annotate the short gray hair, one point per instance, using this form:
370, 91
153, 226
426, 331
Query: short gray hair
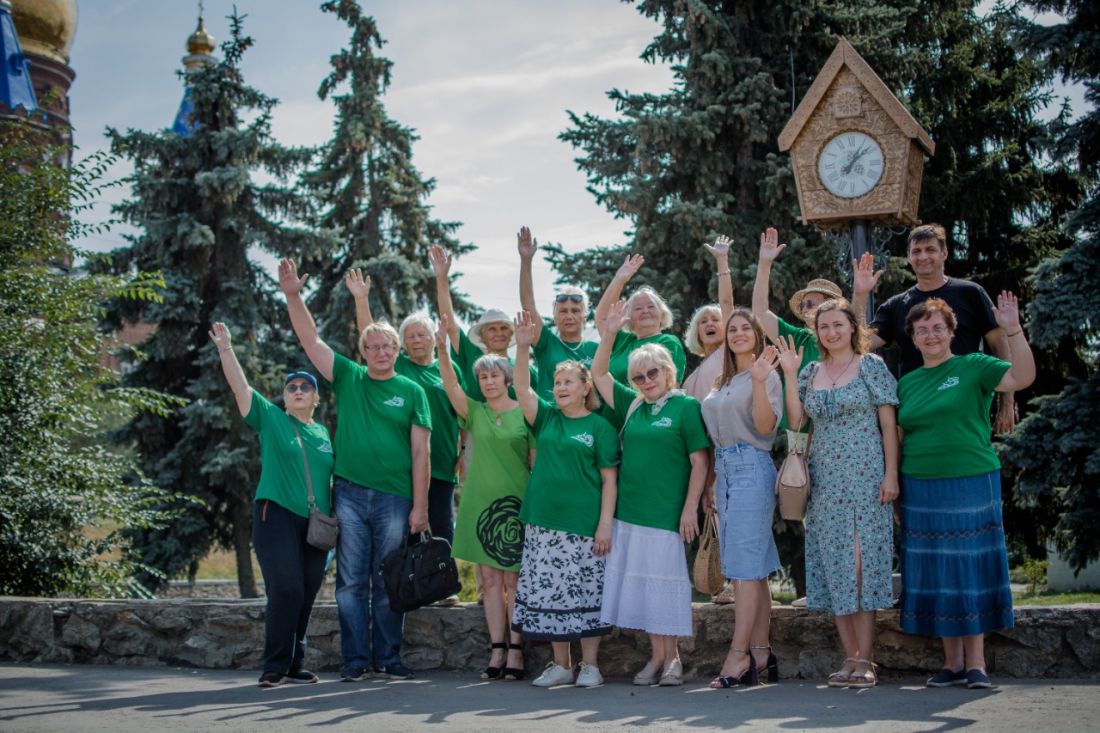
494, 363
419, 318
571, 290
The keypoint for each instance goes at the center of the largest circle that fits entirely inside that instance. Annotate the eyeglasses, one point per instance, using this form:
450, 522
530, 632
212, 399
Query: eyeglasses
303, 387
939, 329
651, 375
375, 348
571, 297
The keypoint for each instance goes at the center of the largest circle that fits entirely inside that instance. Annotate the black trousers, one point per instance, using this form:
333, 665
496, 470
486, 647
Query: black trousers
441, 509
293, 572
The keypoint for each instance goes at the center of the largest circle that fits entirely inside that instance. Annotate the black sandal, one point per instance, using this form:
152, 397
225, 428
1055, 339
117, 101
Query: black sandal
491, 672
514, 673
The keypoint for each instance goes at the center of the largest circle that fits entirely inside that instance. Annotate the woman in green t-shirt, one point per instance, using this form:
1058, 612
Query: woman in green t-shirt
567, 513
661, 479
291, 444
954, 567
489, 531
648, 319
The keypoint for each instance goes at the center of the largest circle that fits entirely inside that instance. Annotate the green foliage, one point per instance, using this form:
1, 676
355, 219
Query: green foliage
1056, 449
1035, 571
202, 218
62, 492
367, 190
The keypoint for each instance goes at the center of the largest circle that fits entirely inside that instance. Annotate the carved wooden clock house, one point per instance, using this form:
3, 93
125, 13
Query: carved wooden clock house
857, 152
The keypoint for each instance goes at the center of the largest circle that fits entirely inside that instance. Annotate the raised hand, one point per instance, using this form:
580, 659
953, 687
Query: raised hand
440, 259
790, 357
526, 245
865, 279
769, 245
617, 316
630, 267
763, 365
289, 281
720, 250
219, 334
1007, 312
525, 330
357, 284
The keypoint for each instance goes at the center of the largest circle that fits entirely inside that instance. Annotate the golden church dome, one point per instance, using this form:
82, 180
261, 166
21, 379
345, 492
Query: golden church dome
46, 27
200, 42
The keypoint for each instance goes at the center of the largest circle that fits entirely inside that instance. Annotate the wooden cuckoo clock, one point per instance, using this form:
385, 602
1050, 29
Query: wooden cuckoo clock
857, 152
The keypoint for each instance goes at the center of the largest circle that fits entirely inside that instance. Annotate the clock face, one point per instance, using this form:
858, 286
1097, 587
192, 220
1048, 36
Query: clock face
850, 164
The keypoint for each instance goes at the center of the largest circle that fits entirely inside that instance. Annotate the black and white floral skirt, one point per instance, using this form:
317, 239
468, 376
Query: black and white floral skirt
560, 587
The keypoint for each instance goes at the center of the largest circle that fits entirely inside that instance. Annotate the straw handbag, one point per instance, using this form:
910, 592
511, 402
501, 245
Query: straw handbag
706, 573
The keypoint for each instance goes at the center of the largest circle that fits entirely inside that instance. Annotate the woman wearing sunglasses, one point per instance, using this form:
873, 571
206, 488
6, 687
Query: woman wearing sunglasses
661, 479
290, 444
742, 414
570, 314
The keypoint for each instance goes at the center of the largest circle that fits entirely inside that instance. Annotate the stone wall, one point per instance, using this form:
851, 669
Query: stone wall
1046, 642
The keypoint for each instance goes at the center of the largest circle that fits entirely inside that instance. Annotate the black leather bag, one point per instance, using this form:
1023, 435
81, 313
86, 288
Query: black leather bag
420, 572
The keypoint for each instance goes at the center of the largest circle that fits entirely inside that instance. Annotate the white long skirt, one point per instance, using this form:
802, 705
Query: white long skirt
646, 585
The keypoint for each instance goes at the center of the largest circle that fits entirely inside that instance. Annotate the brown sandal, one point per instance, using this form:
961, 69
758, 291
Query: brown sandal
841, 678
863, 680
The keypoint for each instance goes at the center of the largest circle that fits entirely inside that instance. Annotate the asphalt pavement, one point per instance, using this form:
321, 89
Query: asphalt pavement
163, 699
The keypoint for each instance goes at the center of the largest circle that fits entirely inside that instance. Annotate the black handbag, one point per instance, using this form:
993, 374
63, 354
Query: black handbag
420, 572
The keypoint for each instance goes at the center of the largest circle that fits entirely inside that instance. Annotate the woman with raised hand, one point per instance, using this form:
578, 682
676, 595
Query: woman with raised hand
492, 334
851, 397
489, 531
742, 416
664, 469
417, 361
954, 567
649, 316
567, 514
705, 335
570, 314
291, 444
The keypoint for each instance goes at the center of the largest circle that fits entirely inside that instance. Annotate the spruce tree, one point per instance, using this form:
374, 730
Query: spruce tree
201, 217
368, 191
1056, 449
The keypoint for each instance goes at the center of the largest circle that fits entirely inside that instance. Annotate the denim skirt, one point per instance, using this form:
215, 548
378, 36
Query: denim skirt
746, 503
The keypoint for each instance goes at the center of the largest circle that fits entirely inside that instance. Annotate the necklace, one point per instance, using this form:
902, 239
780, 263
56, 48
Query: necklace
574, 350
843, 371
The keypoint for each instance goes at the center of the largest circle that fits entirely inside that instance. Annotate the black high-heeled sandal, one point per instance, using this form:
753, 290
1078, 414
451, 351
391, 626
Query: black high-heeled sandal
748, 678
514, 673
491, 672
772, 667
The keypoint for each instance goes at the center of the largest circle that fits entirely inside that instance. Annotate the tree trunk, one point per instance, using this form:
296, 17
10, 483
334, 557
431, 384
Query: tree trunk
242, 533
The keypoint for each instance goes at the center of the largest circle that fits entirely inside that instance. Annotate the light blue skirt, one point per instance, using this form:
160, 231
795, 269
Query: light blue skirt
746, 504
954, 568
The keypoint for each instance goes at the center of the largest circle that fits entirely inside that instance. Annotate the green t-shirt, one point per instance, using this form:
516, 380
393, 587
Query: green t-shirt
944, 412
464, 359
374, 420
805, 338
654, 474
444, 420
565, 487
551, 351
282, 470
626, 342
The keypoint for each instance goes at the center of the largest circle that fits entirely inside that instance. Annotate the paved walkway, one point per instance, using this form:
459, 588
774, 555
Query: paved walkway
159, 699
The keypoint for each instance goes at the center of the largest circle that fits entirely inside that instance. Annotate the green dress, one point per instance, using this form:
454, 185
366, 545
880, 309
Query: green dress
488, 530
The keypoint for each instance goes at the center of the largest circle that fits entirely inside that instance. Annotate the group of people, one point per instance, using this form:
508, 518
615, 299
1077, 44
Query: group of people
586, 464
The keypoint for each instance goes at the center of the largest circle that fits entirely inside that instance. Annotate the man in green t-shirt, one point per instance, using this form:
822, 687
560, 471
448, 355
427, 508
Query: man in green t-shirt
380, 490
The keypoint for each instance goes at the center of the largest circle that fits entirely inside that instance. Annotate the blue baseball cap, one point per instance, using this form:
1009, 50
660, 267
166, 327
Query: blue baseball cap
301, 375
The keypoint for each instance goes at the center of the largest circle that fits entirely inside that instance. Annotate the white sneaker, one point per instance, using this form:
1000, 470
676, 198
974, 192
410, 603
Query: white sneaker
589, 676
554, 674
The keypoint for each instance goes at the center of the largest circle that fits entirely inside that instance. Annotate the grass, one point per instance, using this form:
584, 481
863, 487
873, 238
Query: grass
1055, 598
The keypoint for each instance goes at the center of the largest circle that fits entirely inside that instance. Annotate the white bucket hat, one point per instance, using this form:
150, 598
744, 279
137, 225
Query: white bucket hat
492, 315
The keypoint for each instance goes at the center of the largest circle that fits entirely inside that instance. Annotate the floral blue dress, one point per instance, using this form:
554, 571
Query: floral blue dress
846, 470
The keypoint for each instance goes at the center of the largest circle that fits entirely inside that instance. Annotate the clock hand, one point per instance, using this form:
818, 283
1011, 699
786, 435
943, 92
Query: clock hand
853, 159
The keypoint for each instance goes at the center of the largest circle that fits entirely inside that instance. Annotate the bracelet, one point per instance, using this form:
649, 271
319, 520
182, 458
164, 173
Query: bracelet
227, 348
1010, 335
722, 272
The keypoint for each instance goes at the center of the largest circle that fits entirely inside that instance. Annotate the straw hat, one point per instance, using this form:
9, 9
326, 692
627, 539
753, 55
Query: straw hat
818, 285
492, 315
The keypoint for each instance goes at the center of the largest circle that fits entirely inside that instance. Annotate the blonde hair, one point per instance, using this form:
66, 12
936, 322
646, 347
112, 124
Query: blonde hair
662, 307
691, 338
651, 355
378, 327
861, 340
494, 363
591, 401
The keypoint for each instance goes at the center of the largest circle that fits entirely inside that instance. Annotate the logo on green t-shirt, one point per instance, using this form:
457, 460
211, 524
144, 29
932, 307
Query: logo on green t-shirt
664, 422
585, 438
948, 384
325, 447
395, 401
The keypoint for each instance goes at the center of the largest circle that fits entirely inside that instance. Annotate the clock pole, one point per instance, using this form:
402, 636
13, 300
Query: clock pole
859, 247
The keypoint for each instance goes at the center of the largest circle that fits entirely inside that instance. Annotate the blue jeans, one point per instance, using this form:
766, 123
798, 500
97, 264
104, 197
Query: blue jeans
372, 525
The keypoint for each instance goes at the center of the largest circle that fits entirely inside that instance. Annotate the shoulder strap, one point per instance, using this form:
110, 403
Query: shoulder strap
309, 480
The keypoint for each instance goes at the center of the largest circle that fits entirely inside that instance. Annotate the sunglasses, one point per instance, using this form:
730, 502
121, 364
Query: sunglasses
303, 387
571, 297
651, 375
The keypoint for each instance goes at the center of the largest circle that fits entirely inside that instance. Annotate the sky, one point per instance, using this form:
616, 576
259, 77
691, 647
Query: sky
485, 83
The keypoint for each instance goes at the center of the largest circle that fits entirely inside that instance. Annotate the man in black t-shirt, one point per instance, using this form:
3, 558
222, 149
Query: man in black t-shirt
927, 252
